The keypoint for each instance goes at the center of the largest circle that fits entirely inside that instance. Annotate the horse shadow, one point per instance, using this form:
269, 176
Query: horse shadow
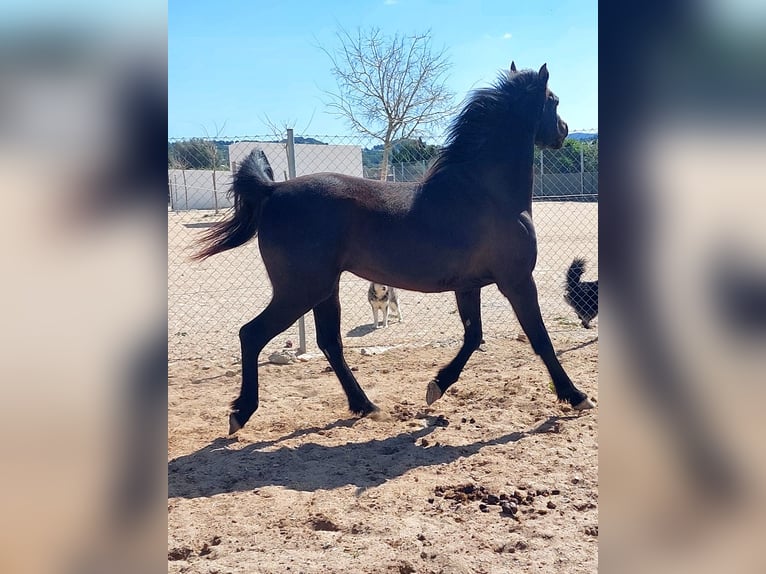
361, 330
578, 346
216, 469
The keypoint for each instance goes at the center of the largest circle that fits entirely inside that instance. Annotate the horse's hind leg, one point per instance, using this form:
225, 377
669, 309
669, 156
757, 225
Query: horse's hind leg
278, 315
523, 298
469, 307
327, 321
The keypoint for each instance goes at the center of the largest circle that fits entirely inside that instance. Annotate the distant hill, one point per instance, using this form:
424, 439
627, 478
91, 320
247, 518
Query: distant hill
583, 136
302, 140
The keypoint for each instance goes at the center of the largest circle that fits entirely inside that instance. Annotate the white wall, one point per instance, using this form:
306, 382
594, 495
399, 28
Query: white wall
309, 158
193, 189
197, 192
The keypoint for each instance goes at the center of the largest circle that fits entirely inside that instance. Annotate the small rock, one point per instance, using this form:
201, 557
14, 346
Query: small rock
323, 523
551, 504
491, 499
282, 357
180, 553
369, 351
508, 508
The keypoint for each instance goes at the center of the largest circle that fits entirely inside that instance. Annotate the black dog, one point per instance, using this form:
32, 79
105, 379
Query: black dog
581, 295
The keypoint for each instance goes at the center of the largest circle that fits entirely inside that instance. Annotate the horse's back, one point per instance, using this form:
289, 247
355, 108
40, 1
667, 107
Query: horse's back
393, 233
318, 216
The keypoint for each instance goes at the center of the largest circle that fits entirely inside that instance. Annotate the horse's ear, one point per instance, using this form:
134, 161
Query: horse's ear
543, 73
513, 67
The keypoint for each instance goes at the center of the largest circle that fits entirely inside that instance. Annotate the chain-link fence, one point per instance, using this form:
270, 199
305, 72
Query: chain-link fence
208, 301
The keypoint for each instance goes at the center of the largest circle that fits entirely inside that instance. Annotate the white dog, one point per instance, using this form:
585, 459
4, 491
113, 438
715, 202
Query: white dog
383, 298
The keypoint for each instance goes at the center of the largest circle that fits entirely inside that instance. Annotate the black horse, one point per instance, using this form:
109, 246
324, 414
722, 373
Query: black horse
466, 225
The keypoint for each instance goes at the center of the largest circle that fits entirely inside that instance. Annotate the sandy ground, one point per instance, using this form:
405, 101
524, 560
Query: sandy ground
306, 488
494, 477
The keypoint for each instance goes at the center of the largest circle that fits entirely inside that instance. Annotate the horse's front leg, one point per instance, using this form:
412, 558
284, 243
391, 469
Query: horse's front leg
523, 297
469, 307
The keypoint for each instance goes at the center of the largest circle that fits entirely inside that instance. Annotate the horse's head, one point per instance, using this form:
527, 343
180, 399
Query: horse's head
499, 119
551, 130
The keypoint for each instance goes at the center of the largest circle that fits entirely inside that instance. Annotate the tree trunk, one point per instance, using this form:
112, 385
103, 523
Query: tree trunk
384, 160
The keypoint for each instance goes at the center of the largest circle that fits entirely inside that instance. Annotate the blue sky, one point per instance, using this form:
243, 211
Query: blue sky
232, 65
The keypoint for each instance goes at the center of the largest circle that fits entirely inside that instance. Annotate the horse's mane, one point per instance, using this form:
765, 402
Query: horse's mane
485, 111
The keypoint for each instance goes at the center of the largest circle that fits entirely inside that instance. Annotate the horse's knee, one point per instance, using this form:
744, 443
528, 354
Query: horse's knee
327, 343
472, 341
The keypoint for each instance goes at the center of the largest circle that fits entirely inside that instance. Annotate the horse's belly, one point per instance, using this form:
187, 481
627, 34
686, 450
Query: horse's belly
412, 274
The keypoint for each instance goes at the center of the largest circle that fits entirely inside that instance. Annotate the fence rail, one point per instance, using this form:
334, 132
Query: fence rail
208, 301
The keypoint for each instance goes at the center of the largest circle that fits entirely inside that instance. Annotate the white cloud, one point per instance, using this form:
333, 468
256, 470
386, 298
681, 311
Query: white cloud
507, 36
390, 2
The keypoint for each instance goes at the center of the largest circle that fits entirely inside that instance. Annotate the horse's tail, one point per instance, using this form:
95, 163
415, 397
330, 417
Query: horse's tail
574, 273
253, 184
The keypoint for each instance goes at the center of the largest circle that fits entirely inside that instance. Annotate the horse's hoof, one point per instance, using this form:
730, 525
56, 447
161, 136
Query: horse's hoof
234, 425
584, 405
433, 393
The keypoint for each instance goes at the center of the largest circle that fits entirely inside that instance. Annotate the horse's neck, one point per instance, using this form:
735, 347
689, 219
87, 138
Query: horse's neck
509, 177
503, 170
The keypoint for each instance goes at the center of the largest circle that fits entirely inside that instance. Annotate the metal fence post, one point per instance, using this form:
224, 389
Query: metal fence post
215, 192
291, 175
173, 192
542, 185
582, 170
186, 191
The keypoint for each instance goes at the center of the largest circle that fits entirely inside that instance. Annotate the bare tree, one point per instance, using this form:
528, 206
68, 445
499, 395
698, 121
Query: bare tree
390, 87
